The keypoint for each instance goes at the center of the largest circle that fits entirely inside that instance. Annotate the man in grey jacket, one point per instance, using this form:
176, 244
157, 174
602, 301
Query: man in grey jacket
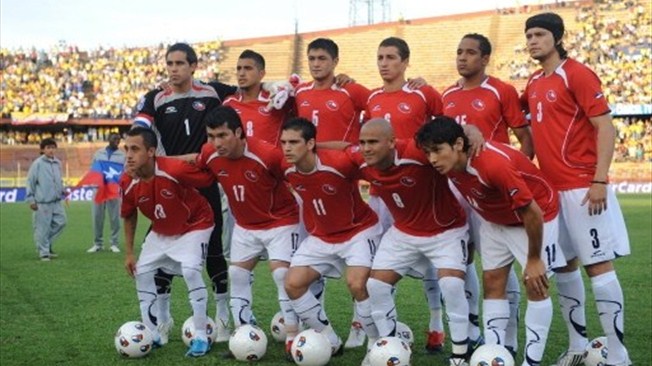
44, 194
114, 154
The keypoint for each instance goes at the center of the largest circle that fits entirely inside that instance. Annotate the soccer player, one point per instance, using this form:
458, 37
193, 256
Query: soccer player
342, 229
429, 229
518, 210
266, 213
176, 115
574, 143
163, 189
493, 106
334, 110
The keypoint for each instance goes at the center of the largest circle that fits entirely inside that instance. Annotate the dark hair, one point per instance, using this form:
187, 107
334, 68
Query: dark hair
400, 44
325, 44
553, 23
259, 60
47, 142
441, 130
191, 55
483, 43
224, 115
307, 128
148, 135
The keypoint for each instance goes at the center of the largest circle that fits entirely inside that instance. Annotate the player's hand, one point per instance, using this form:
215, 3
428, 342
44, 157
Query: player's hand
33, 206
416, 83
130, 265
534, 277
596, 196
343, 79
476, 140
166, 86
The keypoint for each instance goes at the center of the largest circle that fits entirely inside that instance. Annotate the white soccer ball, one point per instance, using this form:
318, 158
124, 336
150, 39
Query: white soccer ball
596, 352
310, 348
389, 351
491, 355
133, 340
405, 333
188, 331
248, 343
277, 327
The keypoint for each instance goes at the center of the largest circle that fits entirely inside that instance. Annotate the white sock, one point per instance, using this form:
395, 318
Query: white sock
472, 290
495, 314
355, 318
514, 297
222, 308
163, 305
289, 316
611, 309
457, 309
318, 289
538, 316
198, 296
363, 310
433, 295
241, 296
383, 309
146, 291
572, 298
310, 311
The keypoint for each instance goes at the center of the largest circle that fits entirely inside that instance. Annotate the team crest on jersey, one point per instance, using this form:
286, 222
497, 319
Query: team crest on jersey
198, 106
477, 193
264, 111
167, 194
332, 105
551, 96
140, 105
404, 108
329, 189
170, 109
478, 105
251, 176
450, 105
408, 181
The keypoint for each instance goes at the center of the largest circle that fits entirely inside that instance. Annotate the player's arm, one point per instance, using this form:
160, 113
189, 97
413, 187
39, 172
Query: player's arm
333, 145
524, 136
534, 273
597, 193
513, 115
130, 223
188, 158
223, 90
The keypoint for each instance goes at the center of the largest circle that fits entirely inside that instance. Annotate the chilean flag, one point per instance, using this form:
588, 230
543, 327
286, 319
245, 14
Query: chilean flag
106, 176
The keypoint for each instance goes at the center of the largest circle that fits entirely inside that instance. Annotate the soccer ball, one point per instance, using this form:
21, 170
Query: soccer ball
310, 348
491, 355
390, 351
248, 343
277, 327
133, 340
405, 333
596, 352
188, 331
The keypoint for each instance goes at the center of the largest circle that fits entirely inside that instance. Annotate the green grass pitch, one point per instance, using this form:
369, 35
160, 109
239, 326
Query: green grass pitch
65, 312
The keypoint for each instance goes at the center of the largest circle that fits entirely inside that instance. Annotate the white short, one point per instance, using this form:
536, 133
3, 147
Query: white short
593, 239
502, 244
404, 253
277, 244
171, 253
330, 259
473, 219
380, 208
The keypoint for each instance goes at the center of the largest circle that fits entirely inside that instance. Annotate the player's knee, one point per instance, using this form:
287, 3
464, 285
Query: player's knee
295, 285
358, 288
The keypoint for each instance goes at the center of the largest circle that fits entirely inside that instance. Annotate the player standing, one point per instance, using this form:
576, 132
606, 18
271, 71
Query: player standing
574, 141
182, 222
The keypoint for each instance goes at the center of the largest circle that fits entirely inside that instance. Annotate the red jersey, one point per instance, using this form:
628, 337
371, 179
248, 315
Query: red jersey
500, 181
492, 107
405, 109
169, 198
565, 140
334, 111
333, 209
254, 185
418, 197
257, 120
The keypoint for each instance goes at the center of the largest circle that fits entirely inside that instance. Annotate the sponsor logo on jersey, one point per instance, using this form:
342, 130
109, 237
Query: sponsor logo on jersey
598, 95
533, 95
404, 108
477, 193
170, 109
222, 173
251, 176
478, 105
329, 189
376, 108
513, 192
264, 111
143, 199
198, 105
305, 103
408, 181
376, 182
450, 105
167, 194
332, 105
300, 188
551, 96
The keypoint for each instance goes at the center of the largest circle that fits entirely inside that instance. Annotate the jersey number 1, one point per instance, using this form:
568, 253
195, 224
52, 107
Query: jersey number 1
187, 124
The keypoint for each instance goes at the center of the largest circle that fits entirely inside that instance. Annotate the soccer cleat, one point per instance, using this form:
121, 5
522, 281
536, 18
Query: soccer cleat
94, 249
198, 348
457, 361
356, 336
288, 351
164, 330
53, 255
45, 259
435, 341
475, 343
569, 358
115, 249
156, 342
366, 361
222, 331
337, 349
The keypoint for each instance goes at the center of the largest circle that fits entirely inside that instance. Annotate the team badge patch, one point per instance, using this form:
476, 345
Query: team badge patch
404, 108
478, 105
332, 105
167, 194
264, 111
251, 176
329, 189
198, 106
408, 181
551, 96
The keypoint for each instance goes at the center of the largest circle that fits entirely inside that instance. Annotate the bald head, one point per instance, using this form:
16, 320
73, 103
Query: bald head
377, 143
379, 126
